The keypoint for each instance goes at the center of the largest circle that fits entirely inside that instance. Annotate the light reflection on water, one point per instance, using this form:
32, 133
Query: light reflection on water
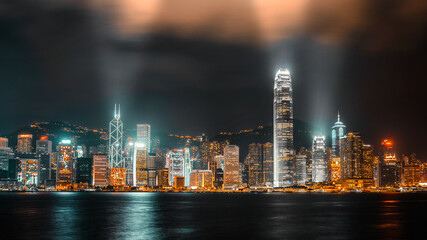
181, 216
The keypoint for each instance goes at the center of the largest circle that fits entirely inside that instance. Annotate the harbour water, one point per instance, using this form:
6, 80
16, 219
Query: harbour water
145, 215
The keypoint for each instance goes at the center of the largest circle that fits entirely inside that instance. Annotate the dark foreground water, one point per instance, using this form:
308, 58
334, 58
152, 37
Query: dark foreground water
212, 216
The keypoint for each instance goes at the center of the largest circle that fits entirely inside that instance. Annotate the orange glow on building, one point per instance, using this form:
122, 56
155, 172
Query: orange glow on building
100, 166
43, 138
335, 170
118, 177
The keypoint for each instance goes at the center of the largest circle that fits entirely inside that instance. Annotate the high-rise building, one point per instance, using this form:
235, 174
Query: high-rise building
389, 166
4, 142
335, 169
140, 165
163, 177
43, 146
301, 169
338, 132
116, 162
64, 165
219, 178
84, 170
351, 156
176, 159
283, 129
412, 171
367, 166
231, 166
100, 171
219, 161
268, 164
255, 158
29, 171
25, 143
44, 151
201, 179
143, 135
319, 163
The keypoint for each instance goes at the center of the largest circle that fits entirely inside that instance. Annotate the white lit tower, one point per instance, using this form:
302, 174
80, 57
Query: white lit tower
338, 132
115, 144
283, 129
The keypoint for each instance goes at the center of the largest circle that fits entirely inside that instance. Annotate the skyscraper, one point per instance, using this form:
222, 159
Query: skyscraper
100, 171
25, 143
301, 169
44, 150
338, 131
319, 164
351, 156
283, 129
64, 172
231, 166
116, 161
268, 168
143, 135
115, 143
389, 169
255, 164
176, 165
140, 164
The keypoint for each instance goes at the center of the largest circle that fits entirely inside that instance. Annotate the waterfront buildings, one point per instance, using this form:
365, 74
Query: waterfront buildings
283, 129
389, 166
268, 164
338, 132
100, 171
143, 135
24, 143
255, 159
231, 166
176, 159
64, 171
319, 163
84, 170
116, 163
140, 165
301, 169
201, 179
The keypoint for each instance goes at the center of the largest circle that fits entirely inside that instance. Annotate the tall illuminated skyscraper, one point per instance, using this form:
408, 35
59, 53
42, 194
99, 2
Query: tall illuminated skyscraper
64, 172
338, 131
116, 161
115, 143
143, 135
283, 129
231, 166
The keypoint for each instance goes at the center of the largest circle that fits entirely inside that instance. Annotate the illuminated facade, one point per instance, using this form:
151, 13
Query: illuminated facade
201, 179
367, 167
231, 166
351, 156
389, 166
143, 135
335, 170
115, 142
338, 131
44, 152
255, 165
4, 142
64, 165
268, 164
179, 165
25, 143
100, 170
140, 165
29, 172
319, 163
118, 177
283, 129
301, 169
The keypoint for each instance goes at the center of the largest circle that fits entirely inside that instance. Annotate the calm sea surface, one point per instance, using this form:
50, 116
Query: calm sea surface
212, 216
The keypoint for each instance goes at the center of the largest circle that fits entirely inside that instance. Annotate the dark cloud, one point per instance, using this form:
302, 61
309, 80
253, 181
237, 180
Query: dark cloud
193, 66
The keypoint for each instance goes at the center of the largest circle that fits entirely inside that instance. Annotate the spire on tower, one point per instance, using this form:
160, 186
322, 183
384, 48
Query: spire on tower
338, 115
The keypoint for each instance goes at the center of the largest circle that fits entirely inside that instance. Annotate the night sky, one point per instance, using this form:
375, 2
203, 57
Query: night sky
193, 66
